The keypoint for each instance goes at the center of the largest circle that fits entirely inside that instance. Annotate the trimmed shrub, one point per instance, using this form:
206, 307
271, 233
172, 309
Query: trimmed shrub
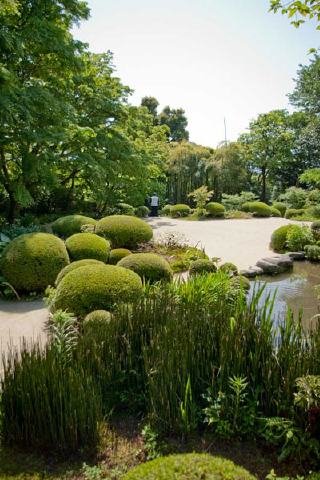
125, 209
275, 212
96, 287
315, 227
282, 207
124, 230
149, 266
189, 466
142, 211
258, 209
312, 252
215, 209
180, 210
118, 254
166, 210
279, 238
294, 212
67, 226
298, 237
98, 316
32, 261
201, 267
241, 281
229, 268
73, 266
88, 245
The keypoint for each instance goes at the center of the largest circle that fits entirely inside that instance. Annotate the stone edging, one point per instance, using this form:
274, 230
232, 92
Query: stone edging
279, 263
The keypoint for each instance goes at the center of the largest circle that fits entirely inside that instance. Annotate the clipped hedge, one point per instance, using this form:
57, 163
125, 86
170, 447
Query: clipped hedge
118, 254
32, 261
67, 226
215, 209
74, 265
124, 230
202, 266
275, 212
180, 210
279, 238
190, 466
282, 207
149, 266
294, 212
88, 245
142, 211
258, 209
96, 287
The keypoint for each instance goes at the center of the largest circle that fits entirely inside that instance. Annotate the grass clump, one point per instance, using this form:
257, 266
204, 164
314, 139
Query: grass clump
70, 224
149, 266
88, 245
124, 231
118, 254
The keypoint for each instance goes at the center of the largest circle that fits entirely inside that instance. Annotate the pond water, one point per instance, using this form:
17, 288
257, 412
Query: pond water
296, 290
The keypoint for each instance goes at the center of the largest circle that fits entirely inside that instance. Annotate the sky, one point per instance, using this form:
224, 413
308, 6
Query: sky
215, 59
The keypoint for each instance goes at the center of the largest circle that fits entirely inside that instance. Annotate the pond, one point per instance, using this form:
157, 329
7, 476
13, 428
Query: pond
296, 290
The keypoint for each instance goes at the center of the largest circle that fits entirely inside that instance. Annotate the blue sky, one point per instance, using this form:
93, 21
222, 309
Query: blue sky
214, 58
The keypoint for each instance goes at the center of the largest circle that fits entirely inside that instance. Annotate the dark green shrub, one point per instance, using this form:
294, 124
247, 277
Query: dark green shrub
125, 209
294, 212
74, 265
98, 316
166, 210
67, 226
275, 212
215, 209
15, 230
149, 266
240, 281
298, 237
88, 245
282, 207
258, 209
124, 230
180, 210
279, 238
229, 268
315, 227
312, 252
96, 287
32, 261
202, 266
142, 211
190, 466
118, 254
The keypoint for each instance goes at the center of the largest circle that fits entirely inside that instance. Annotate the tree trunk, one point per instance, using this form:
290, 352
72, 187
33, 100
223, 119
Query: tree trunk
264, 183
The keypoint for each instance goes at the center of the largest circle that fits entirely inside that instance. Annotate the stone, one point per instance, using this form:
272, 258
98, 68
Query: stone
297, 255
270, 268
251, 272
276, 264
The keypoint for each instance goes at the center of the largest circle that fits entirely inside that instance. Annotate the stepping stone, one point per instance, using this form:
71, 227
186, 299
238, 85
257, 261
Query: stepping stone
251, 272
297, 255
276, 264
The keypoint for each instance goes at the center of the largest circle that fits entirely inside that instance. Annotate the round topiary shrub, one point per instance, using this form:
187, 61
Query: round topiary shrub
118, 254
282, 207
258, 209
215, 209
201, 267
275, 212
96, 287
229, 268
142, 212
315, 227
166, 210
241, 281
312, 252
190, 466
66, 226
180, 210
279, 238
125, 209
98, 316
149, 266
124, 230
74, 265
32, 261
88, 245
294, 212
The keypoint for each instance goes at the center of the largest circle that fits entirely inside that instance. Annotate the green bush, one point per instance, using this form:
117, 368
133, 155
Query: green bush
241, 281
142, 211
229, 268
298, 237
315, 227
258, 209
190, 466
74, 265
118, 254
166, 210
180, 210
98, 316
202, 266
279, 238
215, 209
275, 212
96, 287
294, 197
124, 230
32, 261
67, 226
312, 252
149, 266
282, 207
294, 212
88, 245
125, 209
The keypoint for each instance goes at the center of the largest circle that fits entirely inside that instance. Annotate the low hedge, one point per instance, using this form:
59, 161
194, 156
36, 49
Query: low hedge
124, 231
282, 207
67, 226
142, 211
32, 261
149, 266
180, 210
118, 254
201, 267
96, 287
74, 265
294, 212
258, 209
215, 209
190, 466
88, 245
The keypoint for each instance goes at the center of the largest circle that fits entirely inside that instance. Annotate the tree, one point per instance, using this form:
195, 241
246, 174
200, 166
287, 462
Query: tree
151, 103
177, 122
311, 177
299, 10
306, 95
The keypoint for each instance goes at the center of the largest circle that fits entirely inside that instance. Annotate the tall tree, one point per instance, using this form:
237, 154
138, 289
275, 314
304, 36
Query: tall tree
177, 122
152, 104
306, 95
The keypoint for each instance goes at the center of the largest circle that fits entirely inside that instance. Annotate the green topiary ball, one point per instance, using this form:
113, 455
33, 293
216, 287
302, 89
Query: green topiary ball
241, 281
258, 209
279, 238
74, 266
282, 207
190, 466
124, 230
166, 210
96, 287
149, 266
66, 226
98, 316
32, 261
125, 209
202, 266
229, 268
275, 212
118, 254
180, 210
215, 209
88, 245
142, 211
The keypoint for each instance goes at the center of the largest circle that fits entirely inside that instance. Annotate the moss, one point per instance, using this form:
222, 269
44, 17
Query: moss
66, 226
96, 287
282, 207
142, 211
88, 245
124, 230
258, 209
118, 254
190, 466
180, 210
74, 265
202, 266
149, 266
215, 209
32, 261
279, 238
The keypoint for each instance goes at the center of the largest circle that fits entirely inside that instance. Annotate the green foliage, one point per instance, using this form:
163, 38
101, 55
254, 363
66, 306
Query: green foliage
151, 442
32, 261
95, 287
240, 282
177, 122
275, 212
81, 246
235, 202
298, 11
188, 466
67, 226
142, 211
298, 237
166, 210
63, 335
294, 197
215, 209
125, 209
202, 266
294, 212
308, 392
279, 238
312, 252
15, 230
259, 209
124, 231
149, 266
281, 207
311, 177
201, 196
229, 268
118, 254
180, 210
315, 227
74, 265
98, 316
